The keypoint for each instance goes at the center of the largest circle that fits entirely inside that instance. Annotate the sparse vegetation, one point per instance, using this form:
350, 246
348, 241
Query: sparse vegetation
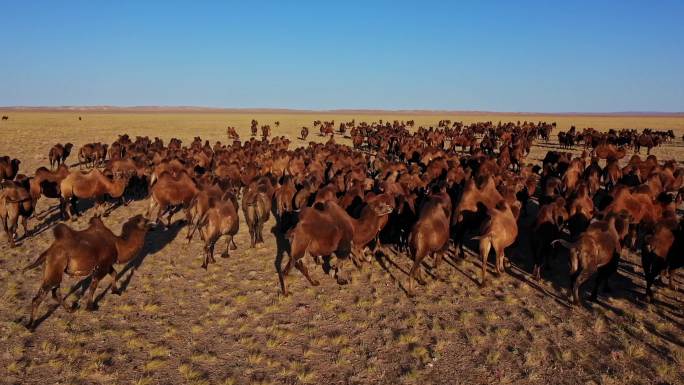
179, 324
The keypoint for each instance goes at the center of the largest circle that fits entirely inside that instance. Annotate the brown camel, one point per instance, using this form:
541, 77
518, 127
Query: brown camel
90, 252
91, 185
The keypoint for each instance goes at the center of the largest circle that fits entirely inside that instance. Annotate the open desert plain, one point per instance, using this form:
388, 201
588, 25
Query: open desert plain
175, 322
376, 192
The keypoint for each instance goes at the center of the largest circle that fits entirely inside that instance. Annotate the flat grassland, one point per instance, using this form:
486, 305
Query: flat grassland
176, 323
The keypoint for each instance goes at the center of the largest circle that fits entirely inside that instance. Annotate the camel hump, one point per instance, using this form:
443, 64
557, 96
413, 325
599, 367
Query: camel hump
62, 231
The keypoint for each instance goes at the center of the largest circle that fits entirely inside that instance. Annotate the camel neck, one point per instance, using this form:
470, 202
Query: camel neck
129, 244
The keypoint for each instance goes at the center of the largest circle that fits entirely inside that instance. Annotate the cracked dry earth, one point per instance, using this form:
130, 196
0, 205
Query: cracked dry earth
176, 323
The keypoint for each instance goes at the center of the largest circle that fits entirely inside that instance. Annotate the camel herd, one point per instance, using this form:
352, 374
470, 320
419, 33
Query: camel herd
425, 192
617, 139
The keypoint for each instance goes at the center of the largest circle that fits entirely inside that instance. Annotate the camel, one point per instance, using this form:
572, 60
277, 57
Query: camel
91, 185
90, 252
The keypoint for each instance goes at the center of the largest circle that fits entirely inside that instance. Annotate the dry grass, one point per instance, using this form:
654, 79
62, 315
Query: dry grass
178, 324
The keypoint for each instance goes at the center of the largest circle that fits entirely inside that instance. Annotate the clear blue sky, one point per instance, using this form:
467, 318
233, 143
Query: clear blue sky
593, 56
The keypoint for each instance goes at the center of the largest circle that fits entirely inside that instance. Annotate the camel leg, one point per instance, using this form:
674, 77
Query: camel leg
229, 240
259, 229
71, 207
257, 233
536, 272
299, 264
282, 274
35, 303
341, 280
670, 279
356, 259
10, 238
115, 277
296, 253
24, 224
577, 281
187, 214
485, 246
57, 295
209, 252
194, 223
62, 209
168, 219
192, 227
252, 237
412, 275
600, 278
438, 261
205, 262
646, 261
160, 214
11, 227
288, 265
538, 261
500, 258
148, 213
13, 230
212, 245
4, 226
94, 281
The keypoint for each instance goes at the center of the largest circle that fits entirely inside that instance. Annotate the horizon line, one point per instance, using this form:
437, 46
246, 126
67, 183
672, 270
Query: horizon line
410, 111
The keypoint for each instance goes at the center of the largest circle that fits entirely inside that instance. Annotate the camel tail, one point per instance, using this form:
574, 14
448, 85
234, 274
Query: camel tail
39, 261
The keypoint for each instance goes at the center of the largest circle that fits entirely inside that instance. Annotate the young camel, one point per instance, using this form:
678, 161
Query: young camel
323, 230
15, 202
256, 207
597, 250
170, 190
220, 219
59, 153
498, 233
199, 206
90, 252
47, 183
429, 235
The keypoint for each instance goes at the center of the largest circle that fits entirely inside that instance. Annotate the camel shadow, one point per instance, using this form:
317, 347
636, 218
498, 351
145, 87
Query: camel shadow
155, 241
82, 284
38, 321
49, 221
384, 260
